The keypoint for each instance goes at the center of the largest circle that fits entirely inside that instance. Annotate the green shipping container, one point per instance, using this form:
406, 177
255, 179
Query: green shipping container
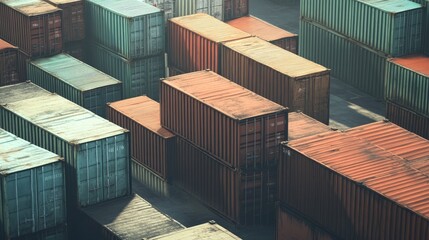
393, 27
131, 28
348, 60
32, 188
76, 81
97, 152
139, 76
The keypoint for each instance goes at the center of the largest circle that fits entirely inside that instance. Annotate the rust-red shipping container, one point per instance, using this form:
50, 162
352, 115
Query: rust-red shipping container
8, 64
301, 125
151, 145
235, 8
268, 32
194, 41
356, 189
32, 25
73, 25
234, 124
244, 197
279, 75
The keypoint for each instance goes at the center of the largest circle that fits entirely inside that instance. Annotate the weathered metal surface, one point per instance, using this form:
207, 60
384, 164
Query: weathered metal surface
8, 63
55, 233
165, 5
301, 125
77, 49
172, 71
206, 231
188, 7
22, 65
149, 179
279, 75
235, 8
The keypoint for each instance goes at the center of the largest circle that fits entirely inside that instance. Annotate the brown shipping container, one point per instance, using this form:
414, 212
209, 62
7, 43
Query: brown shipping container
23, 58
194, 41
8, 64
32, 25
151, 145
408, 119
234, 124
235, 9
279, 75
301, 125
355, 189
268, 32
76, 49
244, 197
73, 25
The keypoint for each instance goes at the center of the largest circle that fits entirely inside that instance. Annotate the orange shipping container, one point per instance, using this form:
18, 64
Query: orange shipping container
268, 32
8, 64
301, 125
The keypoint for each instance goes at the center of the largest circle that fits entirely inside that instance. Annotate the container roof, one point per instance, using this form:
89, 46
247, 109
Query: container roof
127, 8
392, 6
301, 125
74, 72
223, 95
205, 231
20, 91
260, 28
58, 2
31, 7
6, 45
17, 154
144, 111
275, 57
418, 63
210, 27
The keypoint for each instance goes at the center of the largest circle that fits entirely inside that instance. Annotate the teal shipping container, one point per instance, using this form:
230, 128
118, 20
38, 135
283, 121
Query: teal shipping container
130, 28
76, 81
393, 27
32, 188
139, 76
97, 152
348, 60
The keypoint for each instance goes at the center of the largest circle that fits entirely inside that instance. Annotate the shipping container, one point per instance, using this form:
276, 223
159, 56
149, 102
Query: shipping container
77, 49
150, 180
301, 125
234, 124
76, 81
351, 62
356, 189
194, 42
426, 31
130, 28
188, 7
243, 197
172, 71
235, 8
96, 151
32, 192
8, 63
287, 79
32, 25
407, 82
73, 24
206, 231
268, 32
393, 27
407, 119
151, 144
55, 233
139, 76
23, 58
126, 218
167, 6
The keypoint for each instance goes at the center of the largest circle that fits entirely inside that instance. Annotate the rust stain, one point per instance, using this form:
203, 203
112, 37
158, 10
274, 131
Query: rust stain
418, 63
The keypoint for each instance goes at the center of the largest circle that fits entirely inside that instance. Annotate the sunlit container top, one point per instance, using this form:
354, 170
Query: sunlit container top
259, 28
417, 63
59, 2
144, 111
301, 125
375, 168
5, 45
275, 57
31, 7
207, 231
209, 27
17, 154
74, 72
223, 95
128, 9
392, 6
20, 91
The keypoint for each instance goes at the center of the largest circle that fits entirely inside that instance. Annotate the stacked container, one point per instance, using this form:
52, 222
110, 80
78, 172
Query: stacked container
301, 125
209, 230
235, 8
8, 63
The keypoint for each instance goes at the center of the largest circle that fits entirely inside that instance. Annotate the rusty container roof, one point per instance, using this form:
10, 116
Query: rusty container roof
145, 112
370, 165
209, 27
260, 28
31, 7
418, 63
301, 125
223, 95
5, 45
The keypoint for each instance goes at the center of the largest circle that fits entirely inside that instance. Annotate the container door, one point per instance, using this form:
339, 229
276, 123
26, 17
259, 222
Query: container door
216, 9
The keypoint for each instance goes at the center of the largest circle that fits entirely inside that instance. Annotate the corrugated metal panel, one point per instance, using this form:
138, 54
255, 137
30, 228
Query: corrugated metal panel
33, 25
96, 150
77, 49
165, 5
55, 233
207, 231
194, 42
352, 62
426, 31
139, 76
235, 8
268, 32
76, 81
127, 218
301, 125
393, 27
130, 28
279, 75
188, 7
232, 123
33, 188
22, 65
407, 82
422, 2
8, 64
355, 189
149, 179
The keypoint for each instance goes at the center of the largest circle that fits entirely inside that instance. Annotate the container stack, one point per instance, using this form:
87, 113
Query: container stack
127, 41
8, 63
